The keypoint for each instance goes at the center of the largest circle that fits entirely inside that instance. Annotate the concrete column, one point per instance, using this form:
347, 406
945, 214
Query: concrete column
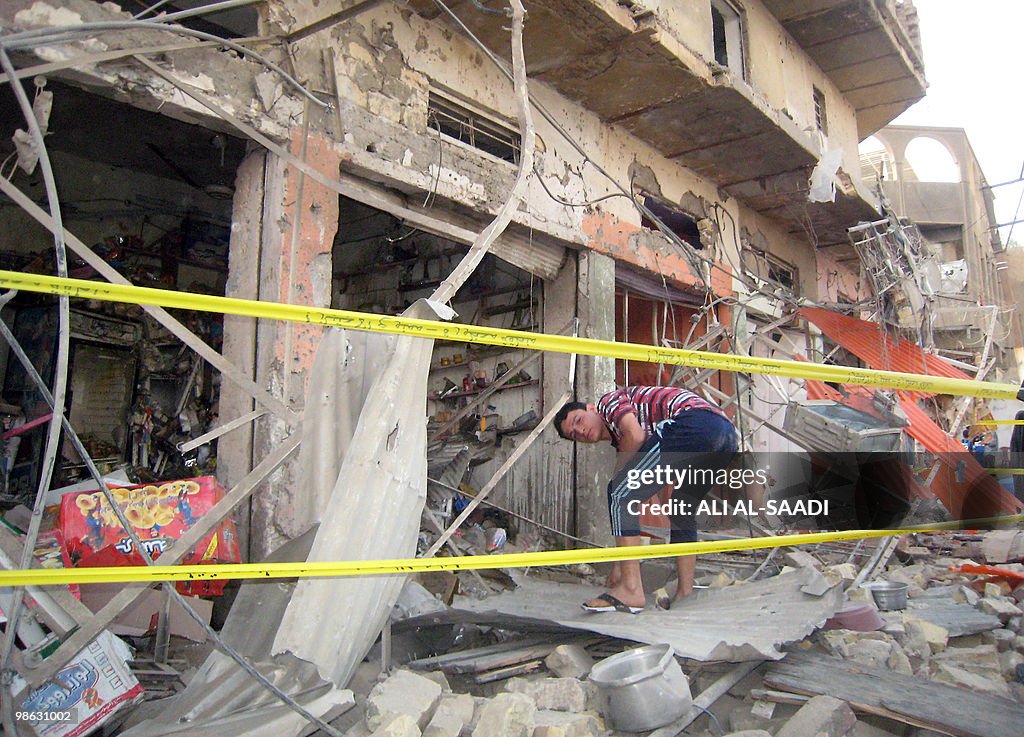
594, 377
552, 491
234, 450
293, 256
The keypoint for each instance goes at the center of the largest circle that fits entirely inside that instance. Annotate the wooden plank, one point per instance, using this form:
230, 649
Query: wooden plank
515, 670
937, 706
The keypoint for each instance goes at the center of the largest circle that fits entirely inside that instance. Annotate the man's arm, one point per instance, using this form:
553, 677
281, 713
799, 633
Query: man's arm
632, 436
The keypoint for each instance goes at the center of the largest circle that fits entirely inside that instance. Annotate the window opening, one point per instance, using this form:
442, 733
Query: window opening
820, 113
472, 128
770, 268
727, 35
676, 220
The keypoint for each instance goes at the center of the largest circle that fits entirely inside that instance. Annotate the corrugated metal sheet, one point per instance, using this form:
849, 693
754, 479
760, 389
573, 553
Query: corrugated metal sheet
871, 344
539, 258
744, 622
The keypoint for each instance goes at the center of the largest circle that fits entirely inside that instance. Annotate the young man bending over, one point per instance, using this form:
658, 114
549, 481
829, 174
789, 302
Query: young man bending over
659, 433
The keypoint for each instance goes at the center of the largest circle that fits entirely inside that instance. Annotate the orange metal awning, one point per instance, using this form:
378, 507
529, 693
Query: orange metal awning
977, 493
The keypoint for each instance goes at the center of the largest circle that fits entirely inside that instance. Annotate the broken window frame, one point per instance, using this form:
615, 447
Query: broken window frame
728, 36
769, 268
482, 131
820, 109
672, 217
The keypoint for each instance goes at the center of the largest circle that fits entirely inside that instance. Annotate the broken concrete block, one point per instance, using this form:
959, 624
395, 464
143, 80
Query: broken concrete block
563, 724
1015, 624
1001, 638
556, 694
1008, 663
439, 678
397, 725
801, 559
451, 716
870, 652
506, 715
935, 636
997, 589
982, 660
404, 692
898, 661
822, 716
966, 595
911, 575
959, 677
750, 733
569, 661
999, 607
845, 571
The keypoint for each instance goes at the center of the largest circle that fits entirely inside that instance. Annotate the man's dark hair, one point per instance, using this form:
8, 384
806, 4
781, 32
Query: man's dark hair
563, 413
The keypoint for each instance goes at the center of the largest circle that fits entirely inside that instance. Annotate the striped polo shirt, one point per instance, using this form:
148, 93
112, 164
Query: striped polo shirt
650, 404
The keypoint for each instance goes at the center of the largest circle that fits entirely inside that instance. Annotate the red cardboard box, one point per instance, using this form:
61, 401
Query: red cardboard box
159, 513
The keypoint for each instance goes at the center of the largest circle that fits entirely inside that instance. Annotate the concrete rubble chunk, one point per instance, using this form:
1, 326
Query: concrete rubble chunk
870, 652
934, 636
846, 571
452, 715
404, 692
397, 725
1009, 662
750, 733
996, 589
549, 723
967, 595
898, 661
569, 661
506, 715
822, 716
1001, 638
440, 679
801, 559
965, 679
999, 607
556, 694
982, 660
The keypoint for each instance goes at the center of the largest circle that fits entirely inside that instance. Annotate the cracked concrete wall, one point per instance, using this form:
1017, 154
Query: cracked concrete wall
385, 60
778, 70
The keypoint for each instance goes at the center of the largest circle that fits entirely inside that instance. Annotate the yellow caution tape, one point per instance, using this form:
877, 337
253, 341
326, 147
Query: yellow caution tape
158, 573
999, 422
438, 330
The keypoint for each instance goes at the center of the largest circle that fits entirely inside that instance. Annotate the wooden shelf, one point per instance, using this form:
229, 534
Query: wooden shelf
475, 355
472, 392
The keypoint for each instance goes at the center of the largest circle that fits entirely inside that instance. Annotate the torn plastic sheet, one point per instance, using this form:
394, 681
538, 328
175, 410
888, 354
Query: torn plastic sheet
823, 178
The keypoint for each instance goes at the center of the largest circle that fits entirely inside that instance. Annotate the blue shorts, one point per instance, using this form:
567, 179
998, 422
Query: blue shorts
691, 446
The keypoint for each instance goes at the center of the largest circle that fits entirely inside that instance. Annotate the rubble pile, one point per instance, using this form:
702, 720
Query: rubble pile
958, 638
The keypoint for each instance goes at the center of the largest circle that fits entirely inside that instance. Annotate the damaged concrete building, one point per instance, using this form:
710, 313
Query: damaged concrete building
672, 174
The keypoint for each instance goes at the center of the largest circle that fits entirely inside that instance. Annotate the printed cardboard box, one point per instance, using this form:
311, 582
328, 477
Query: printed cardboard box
83, 694
159, 513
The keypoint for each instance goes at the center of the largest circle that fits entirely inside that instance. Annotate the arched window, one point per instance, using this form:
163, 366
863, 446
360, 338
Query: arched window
930, 161
875, 161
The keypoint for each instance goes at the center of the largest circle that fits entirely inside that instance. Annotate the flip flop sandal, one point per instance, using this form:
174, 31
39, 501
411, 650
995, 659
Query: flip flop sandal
611, 604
